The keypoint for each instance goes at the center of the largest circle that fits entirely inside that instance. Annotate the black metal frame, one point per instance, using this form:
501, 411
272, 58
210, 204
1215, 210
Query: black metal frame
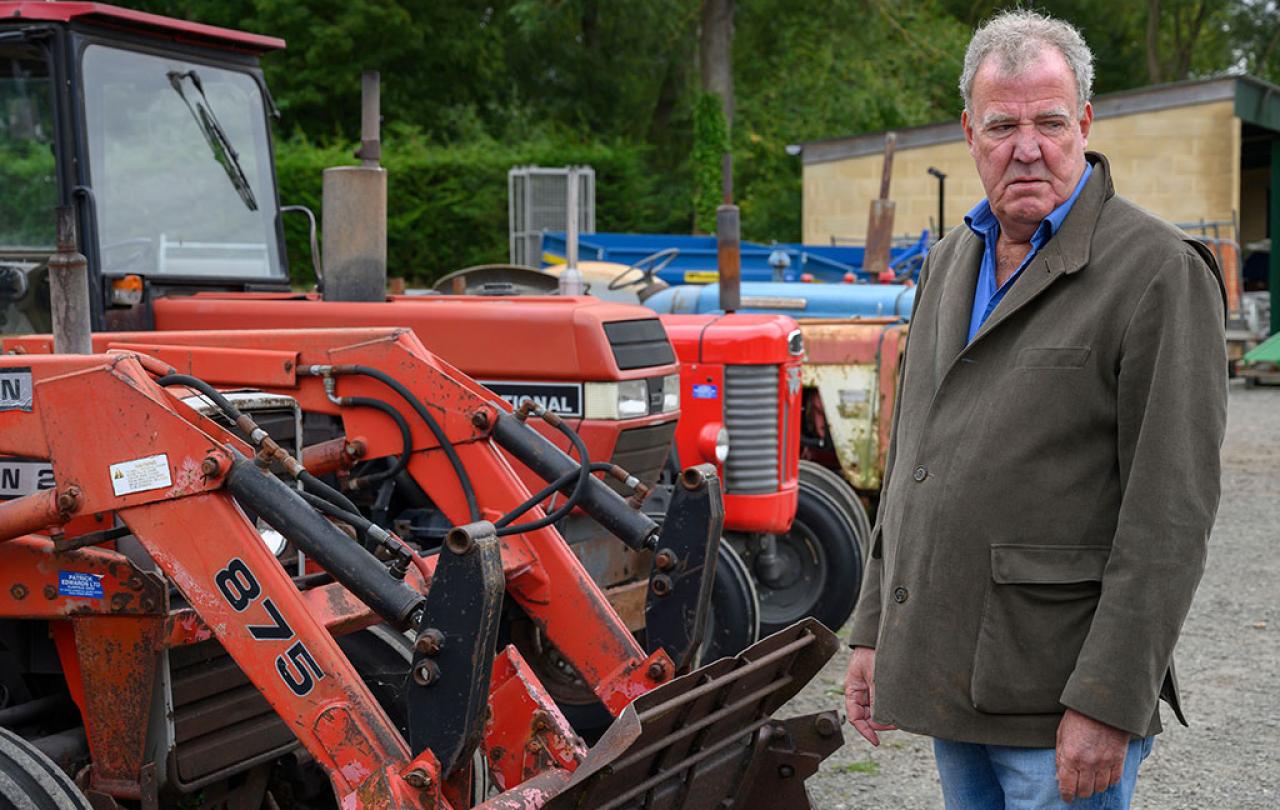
64, 45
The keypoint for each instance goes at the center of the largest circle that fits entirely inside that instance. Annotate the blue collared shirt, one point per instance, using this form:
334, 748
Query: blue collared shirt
982, 221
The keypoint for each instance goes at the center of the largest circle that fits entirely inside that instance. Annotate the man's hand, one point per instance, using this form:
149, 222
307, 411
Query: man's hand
1090, 755
860, 692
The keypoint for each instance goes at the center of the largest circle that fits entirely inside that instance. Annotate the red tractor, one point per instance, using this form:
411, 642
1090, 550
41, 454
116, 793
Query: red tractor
160, 138
153, 132
153, 636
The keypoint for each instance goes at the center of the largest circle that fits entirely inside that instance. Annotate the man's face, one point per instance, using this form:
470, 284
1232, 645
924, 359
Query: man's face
1027, 139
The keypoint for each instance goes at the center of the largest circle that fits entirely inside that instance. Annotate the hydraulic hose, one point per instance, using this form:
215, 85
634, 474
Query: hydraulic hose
405, 435
367, 528
503, 524
464, 480
634, 528
582, 475
349, 563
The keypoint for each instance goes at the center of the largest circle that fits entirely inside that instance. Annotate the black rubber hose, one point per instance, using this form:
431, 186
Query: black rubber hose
583, 476
317, 487
464, 480
288, 513
405, 435
549, 462
232, 412
541, 495
356, 520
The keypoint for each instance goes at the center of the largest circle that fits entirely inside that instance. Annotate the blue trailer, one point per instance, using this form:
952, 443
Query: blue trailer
695, 262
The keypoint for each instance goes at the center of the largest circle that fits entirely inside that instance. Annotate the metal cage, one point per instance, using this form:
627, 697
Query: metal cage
538, 200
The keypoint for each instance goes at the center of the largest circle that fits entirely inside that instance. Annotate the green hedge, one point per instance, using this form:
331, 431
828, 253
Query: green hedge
447, 205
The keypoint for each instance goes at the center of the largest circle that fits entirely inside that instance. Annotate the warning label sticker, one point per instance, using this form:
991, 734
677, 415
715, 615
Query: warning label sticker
15, 389
140, 475
76, 583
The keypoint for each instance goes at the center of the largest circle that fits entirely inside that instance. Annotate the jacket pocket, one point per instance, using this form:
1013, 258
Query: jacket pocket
1039, 605
1059, 357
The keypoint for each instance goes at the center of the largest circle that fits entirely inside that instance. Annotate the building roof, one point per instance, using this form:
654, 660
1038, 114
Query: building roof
1256, 101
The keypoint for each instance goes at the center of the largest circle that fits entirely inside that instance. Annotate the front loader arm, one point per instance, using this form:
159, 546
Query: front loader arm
535, 563
136, 453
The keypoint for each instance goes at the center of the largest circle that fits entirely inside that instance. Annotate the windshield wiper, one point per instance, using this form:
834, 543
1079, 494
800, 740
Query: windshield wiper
223, 152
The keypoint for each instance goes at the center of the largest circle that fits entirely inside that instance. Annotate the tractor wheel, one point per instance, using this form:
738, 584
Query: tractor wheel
383, 657
818, 569
29, 779
733, 621
733, 624
833, 486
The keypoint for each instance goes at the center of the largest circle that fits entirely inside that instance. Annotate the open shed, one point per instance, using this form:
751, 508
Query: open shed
1203, 154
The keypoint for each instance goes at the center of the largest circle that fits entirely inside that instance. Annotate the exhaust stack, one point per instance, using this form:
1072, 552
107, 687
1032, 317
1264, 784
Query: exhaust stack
729, 242
355, 213
69, 290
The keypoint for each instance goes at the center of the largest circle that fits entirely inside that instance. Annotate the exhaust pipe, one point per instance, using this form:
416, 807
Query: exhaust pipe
355, 213
69, 290
729, 242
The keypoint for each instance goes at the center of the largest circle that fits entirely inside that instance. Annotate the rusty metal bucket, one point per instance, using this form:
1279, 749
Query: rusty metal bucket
706, 740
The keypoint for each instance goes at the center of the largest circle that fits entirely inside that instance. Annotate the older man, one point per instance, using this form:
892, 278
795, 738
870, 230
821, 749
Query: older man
1053, 472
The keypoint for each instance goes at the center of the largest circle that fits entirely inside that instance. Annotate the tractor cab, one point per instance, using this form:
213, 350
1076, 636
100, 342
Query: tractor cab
155, 131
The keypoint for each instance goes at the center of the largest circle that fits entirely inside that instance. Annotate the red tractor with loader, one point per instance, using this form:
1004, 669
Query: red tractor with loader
160, 138
196, 616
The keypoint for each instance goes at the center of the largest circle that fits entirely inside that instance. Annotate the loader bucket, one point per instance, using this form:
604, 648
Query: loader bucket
706, 740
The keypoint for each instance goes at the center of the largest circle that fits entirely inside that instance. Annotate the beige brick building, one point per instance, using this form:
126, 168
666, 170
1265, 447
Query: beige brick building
1191, 151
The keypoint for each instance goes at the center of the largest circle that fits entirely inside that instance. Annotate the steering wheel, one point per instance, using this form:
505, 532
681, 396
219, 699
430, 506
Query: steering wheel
648, 267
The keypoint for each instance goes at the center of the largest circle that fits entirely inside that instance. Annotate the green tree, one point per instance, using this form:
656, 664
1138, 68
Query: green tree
710, 144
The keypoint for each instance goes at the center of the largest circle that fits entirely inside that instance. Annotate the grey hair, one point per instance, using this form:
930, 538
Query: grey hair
1018, 38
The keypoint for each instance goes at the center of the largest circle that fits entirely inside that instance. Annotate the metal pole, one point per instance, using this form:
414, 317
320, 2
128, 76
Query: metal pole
571, 279
571, 230
370, 118
1274, 233
69, 290
942, 196
729, 242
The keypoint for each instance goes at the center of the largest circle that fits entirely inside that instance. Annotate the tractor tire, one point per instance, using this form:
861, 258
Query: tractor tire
733, 624
30, 781
821, 567
383, 656
733, 620
838, 489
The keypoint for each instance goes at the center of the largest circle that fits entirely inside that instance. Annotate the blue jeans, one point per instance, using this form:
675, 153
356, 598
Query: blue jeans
991, 777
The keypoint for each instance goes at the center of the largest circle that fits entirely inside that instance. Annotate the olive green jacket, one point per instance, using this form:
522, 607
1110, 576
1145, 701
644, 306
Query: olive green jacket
1051, 485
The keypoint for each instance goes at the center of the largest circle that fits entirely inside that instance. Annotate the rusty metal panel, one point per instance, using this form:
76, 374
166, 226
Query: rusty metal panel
853, 364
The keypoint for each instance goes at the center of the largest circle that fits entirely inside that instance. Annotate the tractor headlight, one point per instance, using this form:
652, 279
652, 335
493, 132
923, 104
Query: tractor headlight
615, 400
671, 393
272, 539
713, 442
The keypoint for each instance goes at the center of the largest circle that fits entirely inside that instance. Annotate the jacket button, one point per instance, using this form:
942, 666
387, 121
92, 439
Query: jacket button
920, 473
900, 595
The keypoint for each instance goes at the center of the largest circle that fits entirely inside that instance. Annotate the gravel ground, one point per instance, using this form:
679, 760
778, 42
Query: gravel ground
1228, 663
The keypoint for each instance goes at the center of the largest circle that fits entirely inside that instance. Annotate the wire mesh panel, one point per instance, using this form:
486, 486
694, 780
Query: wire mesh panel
538, 200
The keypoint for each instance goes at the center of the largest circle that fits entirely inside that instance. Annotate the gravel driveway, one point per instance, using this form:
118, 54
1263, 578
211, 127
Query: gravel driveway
1228, 663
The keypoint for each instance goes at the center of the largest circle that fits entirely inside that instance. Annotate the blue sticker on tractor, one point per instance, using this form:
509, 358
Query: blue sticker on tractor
75, 583
706, 392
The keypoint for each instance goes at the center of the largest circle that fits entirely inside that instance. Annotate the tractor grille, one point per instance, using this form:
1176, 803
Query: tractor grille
639, 344
751, 417
221, 723
642, 451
